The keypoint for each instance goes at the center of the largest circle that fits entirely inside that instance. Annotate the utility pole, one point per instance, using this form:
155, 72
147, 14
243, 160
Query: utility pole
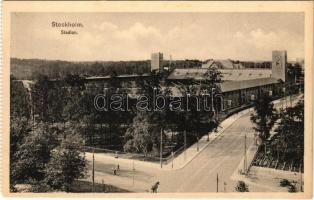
245, 161
184, 144
301, 188
172, 156
217, 183
93, 171
133, 170
93, 164
161, 148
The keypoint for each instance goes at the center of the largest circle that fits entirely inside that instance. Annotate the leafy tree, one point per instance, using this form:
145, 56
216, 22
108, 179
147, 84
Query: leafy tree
32, 154
289, 137
19, 129
152, 122
294, 72
67, 163
195, 117
212, 77
40, 95
138, 136
264, 116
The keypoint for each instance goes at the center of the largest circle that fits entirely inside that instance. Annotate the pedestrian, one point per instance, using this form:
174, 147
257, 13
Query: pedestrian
155, 187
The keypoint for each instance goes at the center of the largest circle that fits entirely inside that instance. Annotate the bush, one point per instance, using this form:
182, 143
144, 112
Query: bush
292, 188
242, 187
284, 183
40, 187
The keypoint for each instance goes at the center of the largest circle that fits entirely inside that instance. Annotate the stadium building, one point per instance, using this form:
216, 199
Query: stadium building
239, 85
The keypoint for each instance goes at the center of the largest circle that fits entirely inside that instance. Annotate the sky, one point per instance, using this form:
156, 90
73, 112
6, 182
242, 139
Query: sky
134, 36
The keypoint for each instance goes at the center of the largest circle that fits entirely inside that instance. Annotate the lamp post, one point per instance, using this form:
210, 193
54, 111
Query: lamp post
184, 145
172, 154
188, 95
155, 89
217, 181
245, 159
93, 166
161, 148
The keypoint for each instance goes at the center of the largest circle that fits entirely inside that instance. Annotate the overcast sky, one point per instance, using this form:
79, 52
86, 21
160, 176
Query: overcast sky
133, 36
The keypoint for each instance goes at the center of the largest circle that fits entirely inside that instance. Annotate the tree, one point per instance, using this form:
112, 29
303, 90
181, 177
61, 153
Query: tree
195, 117
19, 129
289, 137
67, 163
143, 136
32, 154
40, 95
242, 187
264, 116
74, 80
138, 136
212, 77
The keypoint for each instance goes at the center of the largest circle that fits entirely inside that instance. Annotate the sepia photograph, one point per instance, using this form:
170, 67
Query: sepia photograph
157, 102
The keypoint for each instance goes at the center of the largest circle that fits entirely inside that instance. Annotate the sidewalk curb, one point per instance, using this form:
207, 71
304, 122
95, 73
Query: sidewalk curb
239, 115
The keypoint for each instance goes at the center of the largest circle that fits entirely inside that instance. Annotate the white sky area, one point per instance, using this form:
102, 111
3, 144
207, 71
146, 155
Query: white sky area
134, 36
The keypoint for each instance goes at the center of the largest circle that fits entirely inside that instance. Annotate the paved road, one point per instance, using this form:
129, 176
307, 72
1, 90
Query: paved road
222, 156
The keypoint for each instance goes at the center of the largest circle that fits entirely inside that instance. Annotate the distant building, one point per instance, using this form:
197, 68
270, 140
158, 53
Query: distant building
222, 64
157, 62
279, 65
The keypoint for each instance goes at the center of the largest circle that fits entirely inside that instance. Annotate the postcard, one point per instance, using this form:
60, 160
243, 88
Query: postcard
159, 99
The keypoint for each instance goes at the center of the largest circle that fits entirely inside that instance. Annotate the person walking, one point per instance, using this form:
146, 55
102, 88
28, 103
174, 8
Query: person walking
155, 187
